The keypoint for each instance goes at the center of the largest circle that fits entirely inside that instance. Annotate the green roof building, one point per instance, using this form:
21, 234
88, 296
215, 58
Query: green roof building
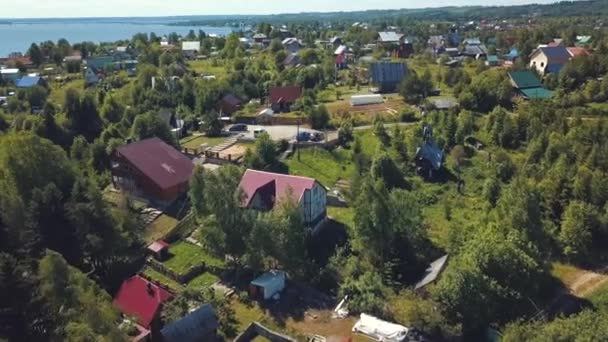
528, 85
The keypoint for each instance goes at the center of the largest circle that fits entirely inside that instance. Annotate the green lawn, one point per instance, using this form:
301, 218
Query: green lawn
325, 166
207, 67
162, 279
186, 255
599, 297
203, 281
58, 90
195, 142
345, 216
369, 142
159, 228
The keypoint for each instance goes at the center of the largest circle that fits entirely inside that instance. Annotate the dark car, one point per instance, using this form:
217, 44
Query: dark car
238, 128
303, 136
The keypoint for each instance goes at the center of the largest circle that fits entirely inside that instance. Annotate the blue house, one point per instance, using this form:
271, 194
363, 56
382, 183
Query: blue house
387, 76
31, 81
429, 157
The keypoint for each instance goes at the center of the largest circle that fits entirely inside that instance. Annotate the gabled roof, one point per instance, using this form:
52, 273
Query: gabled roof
259, 36
279, 185
555, 55
537, 93
99, 62
389, 37
29, 81
577, 51
334, 39
388, 72
432, 272
231, 100
524, 79
474, 50
554, 68
158, 246
268, 278
141, 299
290, 41
285, 94
430, 152
193, 328
163, 164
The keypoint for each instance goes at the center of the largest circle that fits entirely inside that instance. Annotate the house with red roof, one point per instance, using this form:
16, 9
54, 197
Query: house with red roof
152, 169
263, 190
576, 51
282, 98
142, 300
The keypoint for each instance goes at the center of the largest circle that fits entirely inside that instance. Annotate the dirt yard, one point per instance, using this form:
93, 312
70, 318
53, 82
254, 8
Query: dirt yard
234, 151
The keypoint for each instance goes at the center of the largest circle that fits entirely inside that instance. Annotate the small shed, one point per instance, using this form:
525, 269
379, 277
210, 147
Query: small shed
267, 285
159, 249
361, 100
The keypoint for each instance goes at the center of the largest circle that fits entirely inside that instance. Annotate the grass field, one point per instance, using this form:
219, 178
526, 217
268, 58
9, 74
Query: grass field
58, 90
162, 279
195, 142
207, 67
203, 281
159, 228
186, 255
325, 166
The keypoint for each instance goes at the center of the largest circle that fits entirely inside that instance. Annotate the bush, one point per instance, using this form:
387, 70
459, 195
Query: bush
408, 116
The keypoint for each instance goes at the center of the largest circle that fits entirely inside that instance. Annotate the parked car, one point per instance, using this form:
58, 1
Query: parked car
303, 136
259, 132
238, 128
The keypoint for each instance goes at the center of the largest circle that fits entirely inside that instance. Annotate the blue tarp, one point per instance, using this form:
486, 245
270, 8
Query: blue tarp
29, 81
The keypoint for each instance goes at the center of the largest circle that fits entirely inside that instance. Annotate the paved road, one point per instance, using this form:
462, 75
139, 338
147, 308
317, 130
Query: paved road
277, 132
288, 132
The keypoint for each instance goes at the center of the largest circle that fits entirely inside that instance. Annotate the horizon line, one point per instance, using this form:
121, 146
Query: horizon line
277, 13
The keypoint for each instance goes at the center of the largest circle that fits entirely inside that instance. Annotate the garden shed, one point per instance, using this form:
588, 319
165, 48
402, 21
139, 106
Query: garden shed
267, 285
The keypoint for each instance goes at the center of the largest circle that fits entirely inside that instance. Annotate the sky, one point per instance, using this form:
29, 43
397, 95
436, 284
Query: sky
142, 8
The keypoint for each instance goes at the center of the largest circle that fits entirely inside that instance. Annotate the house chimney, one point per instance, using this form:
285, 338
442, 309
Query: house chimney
150, 289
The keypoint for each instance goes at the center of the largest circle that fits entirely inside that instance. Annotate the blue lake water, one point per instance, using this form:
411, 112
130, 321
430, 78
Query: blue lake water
19, 35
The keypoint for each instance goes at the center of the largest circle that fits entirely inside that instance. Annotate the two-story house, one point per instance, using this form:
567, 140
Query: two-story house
263, 190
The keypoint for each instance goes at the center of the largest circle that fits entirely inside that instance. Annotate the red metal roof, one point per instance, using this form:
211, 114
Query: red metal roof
158, 246
162, 163
285, 94
253, 181
577, 51
141, 299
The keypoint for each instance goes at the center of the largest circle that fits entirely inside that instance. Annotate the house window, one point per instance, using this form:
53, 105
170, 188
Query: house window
542, 65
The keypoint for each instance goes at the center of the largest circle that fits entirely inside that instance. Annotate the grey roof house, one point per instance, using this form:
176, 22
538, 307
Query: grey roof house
199, 325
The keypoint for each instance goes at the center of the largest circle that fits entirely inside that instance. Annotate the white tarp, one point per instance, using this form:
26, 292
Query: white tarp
380, 330
361, 100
